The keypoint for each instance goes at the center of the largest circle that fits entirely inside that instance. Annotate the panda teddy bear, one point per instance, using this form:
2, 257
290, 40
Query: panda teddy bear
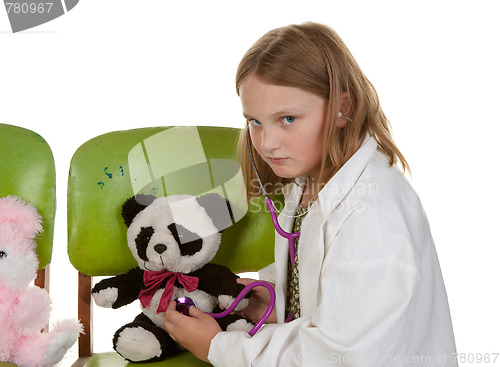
173, 239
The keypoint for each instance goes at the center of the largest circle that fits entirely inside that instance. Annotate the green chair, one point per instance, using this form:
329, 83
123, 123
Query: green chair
110, 168
27, 170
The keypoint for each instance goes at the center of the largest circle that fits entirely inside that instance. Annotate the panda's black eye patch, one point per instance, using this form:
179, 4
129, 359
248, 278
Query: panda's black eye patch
189, 243
142, 241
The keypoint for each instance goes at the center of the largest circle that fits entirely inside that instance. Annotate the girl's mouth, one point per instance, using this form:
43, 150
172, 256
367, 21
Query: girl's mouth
277, 161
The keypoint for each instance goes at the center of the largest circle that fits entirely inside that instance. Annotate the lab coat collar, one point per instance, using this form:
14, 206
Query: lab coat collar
292, 189
340, 184
292, 193
334, 192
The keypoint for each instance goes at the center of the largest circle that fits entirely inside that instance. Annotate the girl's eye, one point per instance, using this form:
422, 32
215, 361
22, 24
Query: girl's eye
254, 122
288, 120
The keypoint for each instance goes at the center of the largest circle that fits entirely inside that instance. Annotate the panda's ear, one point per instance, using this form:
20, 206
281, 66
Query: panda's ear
134, 206
218, 209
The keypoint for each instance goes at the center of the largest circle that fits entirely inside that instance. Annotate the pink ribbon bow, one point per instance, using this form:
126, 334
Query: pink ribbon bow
153, 280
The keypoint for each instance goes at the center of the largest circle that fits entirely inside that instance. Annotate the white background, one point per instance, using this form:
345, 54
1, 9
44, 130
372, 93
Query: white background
118, 64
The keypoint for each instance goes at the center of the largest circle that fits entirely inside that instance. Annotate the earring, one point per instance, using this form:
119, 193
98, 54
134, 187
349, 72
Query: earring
340, 115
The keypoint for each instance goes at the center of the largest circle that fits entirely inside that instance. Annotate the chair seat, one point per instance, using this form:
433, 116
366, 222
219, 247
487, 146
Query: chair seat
113, 359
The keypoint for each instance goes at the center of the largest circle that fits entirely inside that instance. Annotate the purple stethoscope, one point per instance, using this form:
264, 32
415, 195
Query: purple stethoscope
183, 303
290, 236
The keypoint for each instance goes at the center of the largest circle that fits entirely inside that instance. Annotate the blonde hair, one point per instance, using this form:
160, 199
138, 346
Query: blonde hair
314, 58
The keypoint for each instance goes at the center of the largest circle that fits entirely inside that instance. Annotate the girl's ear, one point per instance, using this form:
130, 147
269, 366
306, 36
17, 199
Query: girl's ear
134, 206
346, 107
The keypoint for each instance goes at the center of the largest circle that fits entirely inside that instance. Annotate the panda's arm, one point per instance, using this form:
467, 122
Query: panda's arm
120, 290
220, 282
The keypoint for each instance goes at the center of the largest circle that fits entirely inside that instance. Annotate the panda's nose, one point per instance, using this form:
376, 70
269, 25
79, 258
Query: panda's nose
160, 248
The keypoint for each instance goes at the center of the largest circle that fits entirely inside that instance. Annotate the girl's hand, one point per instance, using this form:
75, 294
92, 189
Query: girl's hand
259, 300
193, 332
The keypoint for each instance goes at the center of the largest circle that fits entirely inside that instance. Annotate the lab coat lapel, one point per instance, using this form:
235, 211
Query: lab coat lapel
311, 254
311, 244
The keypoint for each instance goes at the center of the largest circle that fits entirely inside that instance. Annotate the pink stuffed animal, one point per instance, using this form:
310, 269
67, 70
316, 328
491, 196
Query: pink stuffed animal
25, 309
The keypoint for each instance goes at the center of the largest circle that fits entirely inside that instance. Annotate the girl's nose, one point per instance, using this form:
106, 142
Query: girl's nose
269, 140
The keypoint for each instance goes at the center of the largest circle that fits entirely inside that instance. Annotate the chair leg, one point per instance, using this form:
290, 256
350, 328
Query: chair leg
42, 278
85, 314
42, 281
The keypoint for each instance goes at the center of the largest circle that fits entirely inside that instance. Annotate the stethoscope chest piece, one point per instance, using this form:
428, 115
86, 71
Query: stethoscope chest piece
183, 304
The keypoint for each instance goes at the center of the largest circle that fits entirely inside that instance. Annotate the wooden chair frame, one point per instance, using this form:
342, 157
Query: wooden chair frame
85, 341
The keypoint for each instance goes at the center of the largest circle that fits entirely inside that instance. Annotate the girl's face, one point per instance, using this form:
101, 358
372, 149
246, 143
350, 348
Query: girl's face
286, 126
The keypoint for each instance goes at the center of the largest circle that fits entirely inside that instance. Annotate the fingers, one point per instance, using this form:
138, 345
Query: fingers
172, 316
171, 313
193, 332
171, 309
245, 281
171, 319
196, 313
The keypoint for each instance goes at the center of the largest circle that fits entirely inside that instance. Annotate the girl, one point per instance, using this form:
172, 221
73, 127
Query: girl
365, 288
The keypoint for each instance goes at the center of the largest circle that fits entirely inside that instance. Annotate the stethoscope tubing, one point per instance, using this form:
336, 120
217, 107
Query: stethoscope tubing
290, 236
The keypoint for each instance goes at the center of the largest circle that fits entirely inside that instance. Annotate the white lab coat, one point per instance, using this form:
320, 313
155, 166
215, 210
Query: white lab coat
371, 290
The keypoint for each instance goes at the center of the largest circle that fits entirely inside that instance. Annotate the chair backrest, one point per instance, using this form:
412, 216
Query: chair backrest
27, 170
102, 177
